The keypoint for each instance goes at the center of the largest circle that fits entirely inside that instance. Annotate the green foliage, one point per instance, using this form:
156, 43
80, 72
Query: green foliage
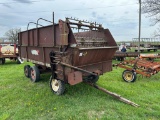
21, 99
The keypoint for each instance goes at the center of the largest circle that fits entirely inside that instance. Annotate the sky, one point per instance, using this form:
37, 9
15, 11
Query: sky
121, 17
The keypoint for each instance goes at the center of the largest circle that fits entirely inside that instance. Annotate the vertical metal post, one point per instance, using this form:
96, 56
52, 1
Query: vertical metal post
14, 48
54, 42
139, 26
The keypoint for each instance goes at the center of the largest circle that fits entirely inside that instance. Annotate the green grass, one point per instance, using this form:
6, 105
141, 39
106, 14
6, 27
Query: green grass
23, 100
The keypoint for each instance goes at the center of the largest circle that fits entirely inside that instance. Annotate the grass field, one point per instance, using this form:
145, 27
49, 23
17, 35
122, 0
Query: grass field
23, 100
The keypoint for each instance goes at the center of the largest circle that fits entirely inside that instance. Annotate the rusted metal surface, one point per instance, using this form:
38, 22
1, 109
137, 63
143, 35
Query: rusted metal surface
150, 56
64, 31
126, 54
140, 66
75, 77
121, 55
8, 50
71, 48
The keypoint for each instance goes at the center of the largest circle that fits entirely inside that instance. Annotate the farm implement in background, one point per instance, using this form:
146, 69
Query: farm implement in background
121, 55
138, 66
8, 50
149, 56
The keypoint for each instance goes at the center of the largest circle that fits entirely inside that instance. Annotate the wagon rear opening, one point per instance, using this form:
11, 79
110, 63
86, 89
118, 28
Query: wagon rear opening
74, 50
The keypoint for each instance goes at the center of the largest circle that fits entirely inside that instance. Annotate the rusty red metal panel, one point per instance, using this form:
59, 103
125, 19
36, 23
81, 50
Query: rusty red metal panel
46, 36
34, 41
24, 36
107, 66
75, 78
30, 37
35, 53
19, 38
71, 38
47, 51
101, 67
64, 31
23, 52
91, 39
111, 41
89, 56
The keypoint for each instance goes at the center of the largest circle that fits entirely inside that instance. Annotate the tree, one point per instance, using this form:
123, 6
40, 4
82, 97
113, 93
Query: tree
2, 39
12, 35
152, 8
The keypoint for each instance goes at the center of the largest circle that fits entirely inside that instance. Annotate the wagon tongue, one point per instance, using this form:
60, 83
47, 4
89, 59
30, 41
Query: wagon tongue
119, 97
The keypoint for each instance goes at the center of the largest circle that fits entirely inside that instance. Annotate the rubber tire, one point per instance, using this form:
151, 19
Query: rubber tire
18, 62
131, 73
34, 74
3, 60
0, 61
27, 71
61, 86
92, 78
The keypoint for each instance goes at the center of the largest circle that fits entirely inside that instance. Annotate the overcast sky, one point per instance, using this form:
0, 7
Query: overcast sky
120, 16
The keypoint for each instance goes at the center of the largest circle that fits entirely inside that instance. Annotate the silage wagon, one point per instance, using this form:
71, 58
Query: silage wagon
74, 50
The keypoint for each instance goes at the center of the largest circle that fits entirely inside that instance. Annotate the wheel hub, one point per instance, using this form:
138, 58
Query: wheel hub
55, 85
26, 72
128, 76
32, 74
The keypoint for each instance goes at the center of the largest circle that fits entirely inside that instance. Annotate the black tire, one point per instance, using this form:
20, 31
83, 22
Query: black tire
0, 61
3, 60
34, 74
18, 62
92, 78
57, 86
27, 71
129, 76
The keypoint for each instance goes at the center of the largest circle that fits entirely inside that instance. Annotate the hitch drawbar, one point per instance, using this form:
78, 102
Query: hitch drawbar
114, 95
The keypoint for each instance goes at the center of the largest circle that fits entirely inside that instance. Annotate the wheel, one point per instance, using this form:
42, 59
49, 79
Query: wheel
34, 74
3, 60
92, 78
128, 76
0, 60
27, 70
18, 62
118, 58
57, 86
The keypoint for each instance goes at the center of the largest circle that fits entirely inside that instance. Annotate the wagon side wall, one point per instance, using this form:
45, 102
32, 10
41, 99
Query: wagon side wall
36, 44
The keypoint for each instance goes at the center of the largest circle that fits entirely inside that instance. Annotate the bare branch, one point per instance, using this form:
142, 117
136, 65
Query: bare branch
152, 8
12, 35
